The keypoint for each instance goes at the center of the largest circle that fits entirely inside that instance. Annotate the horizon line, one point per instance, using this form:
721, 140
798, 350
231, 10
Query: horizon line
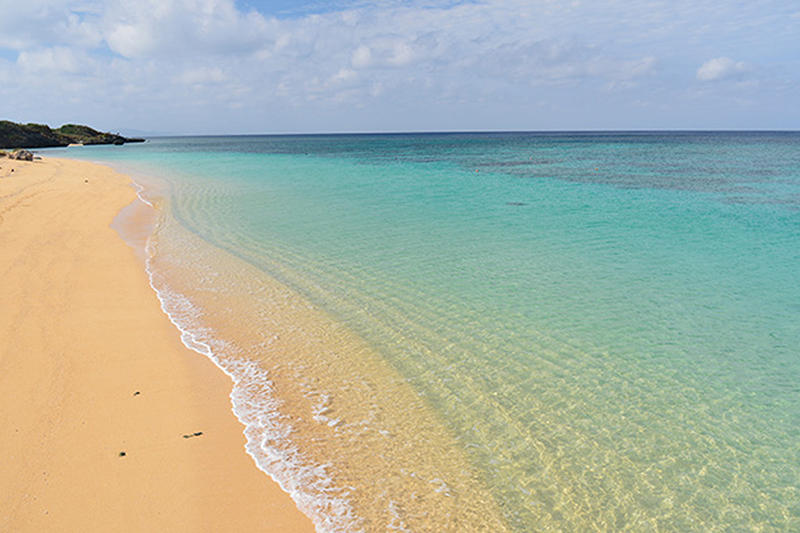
457, 132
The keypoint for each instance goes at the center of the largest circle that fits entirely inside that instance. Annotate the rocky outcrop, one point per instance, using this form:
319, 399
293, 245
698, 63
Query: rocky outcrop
21, 155
13, 135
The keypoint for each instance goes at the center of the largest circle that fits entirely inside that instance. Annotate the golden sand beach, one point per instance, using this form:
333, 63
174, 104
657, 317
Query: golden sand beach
96, 389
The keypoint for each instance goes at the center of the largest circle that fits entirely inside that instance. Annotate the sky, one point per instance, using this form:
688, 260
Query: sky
283, 66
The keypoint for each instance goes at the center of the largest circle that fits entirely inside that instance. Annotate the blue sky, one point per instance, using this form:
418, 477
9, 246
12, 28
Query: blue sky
257, 66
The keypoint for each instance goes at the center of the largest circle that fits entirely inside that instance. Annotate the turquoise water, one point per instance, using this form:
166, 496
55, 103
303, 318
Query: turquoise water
607, 324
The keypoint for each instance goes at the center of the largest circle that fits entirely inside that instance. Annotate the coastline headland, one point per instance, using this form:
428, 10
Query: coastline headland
13, 135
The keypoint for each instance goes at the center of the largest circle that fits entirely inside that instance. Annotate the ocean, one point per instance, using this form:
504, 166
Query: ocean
496, 331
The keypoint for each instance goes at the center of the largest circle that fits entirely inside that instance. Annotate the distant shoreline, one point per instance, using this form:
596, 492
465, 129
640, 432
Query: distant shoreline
14, 135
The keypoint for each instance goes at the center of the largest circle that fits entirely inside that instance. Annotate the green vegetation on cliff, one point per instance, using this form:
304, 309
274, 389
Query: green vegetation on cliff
13, 135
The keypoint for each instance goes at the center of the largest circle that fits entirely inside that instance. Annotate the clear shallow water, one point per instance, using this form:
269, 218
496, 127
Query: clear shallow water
594, 330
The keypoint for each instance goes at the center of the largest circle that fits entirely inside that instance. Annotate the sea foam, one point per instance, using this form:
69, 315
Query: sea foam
256, 407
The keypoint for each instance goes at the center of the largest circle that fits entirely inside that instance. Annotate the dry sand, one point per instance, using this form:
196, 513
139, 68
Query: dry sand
81, 333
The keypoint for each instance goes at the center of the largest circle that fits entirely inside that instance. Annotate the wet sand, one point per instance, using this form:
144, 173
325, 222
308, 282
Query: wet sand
97, 392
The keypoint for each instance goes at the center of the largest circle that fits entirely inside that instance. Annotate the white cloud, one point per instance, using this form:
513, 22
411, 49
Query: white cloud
343, 76
150, 28
362, 57
202, 75
383, 52
416, 59
53, 60
638, 67
721, 68
36, 23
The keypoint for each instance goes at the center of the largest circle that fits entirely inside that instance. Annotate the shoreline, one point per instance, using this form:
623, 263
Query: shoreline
305, 389
83, 385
